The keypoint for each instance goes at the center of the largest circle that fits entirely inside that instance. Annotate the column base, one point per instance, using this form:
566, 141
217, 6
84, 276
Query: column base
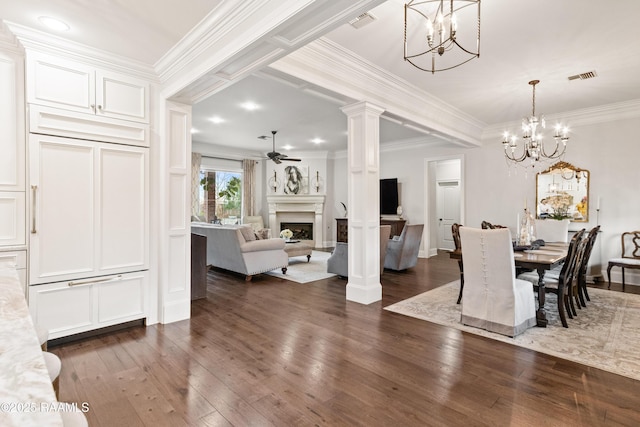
364, 294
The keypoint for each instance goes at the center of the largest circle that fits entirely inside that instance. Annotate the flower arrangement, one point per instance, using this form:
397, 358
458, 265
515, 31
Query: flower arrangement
560, 204
286, 234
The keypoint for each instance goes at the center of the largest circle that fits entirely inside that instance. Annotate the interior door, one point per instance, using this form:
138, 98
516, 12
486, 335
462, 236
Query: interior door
448, 208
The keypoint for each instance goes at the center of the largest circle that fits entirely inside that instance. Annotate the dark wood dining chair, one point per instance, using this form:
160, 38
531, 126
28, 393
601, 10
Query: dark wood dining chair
486, 225
562, 285
630, 257
455, 232
574, 285
582, 274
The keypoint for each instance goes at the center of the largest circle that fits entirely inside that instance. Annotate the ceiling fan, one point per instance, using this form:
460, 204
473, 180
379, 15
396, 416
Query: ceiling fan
274, 155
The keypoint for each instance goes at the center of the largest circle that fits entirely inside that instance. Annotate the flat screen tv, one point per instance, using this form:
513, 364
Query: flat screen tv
388, 196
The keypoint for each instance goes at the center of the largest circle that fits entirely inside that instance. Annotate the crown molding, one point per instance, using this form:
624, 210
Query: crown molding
220, 22
239, 38
224, 152
32, 39
402, 145
328, 65
406, 144
8, 41
582, 117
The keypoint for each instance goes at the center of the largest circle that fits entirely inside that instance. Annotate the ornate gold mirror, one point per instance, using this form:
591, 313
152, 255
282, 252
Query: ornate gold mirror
562, 191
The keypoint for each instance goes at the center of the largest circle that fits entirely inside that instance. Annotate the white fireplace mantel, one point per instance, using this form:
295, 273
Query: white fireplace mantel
298, 204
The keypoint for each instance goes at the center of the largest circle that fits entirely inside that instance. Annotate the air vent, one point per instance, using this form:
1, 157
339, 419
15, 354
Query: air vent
584, 76
362, 20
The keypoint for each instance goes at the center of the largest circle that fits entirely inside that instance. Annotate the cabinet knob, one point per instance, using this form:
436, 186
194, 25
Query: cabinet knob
93, 107
100, 107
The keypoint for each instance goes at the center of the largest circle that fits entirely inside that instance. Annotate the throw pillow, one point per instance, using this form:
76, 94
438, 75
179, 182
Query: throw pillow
247, 233
262, 234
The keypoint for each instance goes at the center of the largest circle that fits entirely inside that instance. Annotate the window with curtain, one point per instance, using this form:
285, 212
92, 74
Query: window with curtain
220, 191
221, 196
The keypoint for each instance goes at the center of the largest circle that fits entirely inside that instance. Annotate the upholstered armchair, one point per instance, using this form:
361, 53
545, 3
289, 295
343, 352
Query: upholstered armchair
402, 251
493, 298
552, 230
338, 262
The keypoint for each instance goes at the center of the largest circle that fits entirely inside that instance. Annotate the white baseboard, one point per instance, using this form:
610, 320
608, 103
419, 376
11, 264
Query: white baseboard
631, 277
176, 311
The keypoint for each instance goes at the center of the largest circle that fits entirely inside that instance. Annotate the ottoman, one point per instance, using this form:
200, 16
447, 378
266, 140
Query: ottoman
298, 248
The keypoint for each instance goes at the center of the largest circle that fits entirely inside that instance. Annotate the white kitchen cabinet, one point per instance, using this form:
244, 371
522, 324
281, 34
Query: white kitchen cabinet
12, 140
89, 209
70, 85
71, 307
19, 259
12, 151
12, 218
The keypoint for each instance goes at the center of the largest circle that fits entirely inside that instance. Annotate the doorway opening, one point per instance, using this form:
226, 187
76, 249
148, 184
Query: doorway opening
444, 201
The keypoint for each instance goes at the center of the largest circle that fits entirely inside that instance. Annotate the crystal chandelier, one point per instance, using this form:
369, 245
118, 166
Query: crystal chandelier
534, 148
449, 25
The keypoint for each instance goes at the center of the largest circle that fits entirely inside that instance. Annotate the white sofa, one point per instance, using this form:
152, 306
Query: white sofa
227, 248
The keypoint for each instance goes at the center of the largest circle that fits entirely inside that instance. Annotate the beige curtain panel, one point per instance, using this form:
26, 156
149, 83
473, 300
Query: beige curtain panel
196, 159
249, 187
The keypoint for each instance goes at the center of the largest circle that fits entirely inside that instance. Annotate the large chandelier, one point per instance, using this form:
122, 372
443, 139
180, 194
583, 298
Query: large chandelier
450, 26
534, 148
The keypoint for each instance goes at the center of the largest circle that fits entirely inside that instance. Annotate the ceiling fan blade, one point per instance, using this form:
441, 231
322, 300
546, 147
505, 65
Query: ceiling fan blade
274, 155
273, 139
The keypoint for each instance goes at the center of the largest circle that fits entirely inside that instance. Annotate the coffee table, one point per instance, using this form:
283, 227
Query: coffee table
298, 248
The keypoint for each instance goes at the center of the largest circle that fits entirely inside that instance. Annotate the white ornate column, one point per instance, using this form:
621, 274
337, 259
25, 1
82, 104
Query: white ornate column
363, 183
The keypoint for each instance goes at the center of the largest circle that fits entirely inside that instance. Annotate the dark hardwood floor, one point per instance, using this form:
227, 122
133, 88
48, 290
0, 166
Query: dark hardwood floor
275, 352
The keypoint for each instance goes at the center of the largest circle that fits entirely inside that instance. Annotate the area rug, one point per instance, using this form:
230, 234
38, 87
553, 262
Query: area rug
605, 335
301, 271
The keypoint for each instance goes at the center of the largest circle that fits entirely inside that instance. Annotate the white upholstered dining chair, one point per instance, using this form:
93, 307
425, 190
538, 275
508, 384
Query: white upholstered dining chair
493, 298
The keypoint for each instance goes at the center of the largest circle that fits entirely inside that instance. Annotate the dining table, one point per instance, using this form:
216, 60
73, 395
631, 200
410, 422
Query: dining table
541, 259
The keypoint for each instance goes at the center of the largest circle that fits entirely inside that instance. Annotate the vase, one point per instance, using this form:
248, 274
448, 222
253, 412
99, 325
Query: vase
527, 229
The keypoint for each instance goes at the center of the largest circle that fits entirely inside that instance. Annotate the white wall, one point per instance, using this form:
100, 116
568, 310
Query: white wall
496, 193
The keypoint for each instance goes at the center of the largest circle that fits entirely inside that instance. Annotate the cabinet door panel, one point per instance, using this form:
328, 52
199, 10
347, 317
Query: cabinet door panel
123, 207
121, 300
12, 142
58, 83
12, 218
62, 235
122, 97
62, 309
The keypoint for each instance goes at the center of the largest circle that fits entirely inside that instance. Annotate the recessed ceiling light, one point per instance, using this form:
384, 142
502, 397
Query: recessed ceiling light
217, 120
287, 147
318, 140
54, 24
250, 106
194, 130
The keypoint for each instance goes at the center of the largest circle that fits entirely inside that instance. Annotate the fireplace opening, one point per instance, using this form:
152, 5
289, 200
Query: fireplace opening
301, 230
